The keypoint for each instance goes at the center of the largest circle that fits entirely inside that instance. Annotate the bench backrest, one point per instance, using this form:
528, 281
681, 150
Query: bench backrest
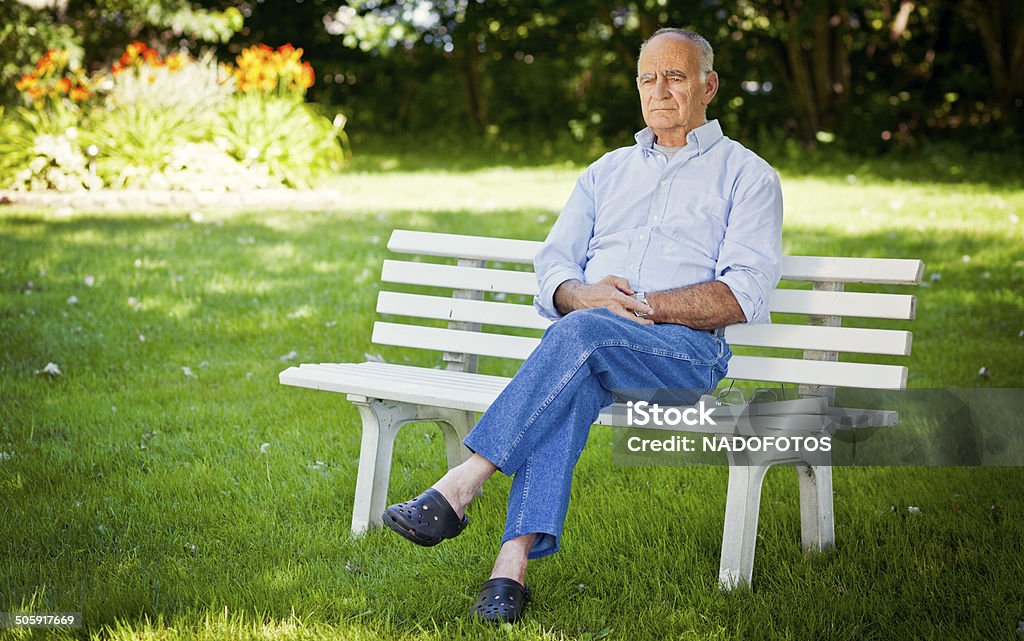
821, 338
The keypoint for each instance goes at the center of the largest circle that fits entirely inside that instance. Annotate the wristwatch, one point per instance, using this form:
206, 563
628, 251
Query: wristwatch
642, 297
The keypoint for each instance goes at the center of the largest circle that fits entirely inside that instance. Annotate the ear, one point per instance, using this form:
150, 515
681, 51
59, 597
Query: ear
710, 88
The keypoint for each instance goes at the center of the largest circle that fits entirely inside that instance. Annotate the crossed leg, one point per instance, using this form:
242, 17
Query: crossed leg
536, 429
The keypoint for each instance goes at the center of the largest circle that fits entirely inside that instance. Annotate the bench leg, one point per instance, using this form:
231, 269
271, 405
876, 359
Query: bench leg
817, 524
742, 505
456, 425
381, 422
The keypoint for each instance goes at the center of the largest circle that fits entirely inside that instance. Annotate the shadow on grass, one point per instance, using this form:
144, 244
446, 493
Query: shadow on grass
160, 498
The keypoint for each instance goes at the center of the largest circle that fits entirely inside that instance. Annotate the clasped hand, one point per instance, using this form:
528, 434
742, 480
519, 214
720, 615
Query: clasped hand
611, 292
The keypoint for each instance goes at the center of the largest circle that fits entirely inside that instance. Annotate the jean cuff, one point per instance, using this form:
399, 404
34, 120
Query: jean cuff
482, 450
549, 540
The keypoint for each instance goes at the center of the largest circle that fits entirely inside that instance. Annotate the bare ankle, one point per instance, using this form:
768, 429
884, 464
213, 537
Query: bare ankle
513, 558
461, 484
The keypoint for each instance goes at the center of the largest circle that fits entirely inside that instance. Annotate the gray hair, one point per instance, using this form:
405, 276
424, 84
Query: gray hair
707, 54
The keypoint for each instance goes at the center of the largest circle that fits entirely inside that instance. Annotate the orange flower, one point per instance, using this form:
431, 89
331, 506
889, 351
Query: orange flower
27, 81
281, 70
53, 80
307, 75
45, 64
79, 93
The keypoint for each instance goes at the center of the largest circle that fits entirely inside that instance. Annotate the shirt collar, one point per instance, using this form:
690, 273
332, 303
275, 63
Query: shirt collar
704, 137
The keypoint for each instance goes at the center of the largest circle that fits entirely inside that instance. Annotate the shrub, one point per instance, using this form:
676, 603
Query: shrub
290, 138
203, 166
41, 149
170, 122
141, 77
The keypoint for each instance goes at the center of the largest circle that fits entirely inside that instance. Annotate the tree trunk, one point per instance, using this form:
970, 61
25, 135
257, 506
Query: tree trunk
1001, 26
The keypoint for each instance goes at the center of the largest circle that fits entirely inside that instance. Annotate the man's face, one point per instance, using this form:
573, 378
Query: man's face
673, 96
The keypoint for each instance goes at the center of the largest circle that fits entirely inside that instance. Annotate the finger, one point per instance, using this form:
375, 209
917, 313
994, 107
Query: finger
620, 284
633, 304
625, 313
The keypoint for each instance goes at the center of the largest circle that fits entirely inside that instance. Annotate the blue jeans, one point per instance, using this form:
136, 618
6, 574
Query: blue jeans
538, 425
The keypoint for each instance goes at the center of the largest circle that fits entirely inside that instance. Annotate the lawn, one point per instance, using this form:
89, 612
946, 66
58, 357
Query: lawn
167, 487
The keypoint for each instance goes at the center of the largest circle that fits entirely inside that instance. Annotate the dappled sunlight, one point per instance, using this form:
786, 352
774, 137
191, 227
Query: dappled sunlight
226, 283
169, 392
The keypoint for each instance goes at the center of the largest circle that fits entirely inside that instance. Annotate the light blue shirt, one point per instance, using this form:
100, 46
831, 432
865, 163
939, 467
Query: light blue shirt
711, 212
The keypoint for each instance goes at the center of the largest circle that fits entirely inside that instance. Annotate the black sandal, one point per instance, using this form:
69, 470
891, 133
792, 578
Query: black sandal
426, 520
501, 600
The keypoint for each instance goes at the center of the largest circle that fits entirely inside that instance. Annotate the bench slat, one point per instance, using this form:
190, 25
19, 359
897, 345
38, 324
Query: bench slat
826, 339
758, 368
841, 269
865, 305
806, 372
460, 309
474, 278
789, 301
804, 337
891, 271
423, 243
452, 340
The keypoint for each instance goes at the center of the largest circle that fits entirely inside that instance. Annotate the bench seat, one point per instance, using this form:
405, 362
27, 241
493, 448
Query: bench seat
475, 392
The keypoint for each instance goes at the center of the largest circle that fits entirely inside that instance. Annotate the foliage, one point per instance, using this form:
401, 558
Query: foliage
288, 137
56, 163
203, 166
136, 141
40, 150
865, 75
142, 77
26, 34
172, 122
52, 80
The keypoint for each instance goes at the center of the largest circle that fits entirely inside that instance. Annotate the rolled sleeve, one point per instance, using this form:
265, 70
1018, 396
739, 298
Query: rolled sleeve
750, 257
563, 255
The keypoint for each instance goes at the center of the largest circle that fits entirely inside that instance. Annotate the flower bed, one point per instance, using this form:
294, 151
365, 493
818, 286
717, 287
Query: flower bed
174, 122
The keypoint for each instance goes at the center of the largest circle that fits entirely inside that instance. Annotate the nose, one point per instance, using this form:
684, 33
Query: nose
661, 91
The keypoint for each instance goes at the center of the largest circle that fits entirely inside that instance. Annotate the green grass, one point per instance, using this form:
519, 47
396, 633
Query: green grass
141, 496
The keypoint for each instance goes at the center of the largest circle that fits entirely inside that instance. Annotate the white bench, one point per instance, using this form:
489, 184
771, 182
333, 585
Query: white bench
389, 396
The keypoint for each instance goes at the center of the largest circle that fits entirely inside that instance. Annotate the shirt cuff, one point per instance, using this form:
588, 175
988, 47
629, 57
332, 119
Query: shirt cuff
544, 301
745, 289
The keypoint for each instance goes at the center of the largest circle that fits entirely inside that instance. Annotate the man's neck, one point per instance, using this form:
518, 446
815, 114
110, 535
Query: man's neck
675, 137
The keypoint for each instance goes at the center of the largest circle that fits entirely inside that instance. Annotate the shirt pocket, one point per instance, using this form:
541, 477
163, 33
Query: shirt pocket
697, 220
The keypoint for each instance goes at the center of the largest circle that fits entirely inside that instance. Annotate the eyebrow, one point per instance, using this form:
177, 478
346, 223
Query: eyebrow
670, 72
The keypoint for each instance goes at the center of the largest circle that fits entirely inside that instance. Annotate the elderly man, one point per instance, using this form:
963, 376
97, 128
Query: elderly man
660, 245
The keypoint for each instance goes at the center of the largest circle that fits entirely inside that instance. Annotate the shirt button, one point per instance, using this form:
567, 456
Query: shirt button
632, 268
664, 183
641, 236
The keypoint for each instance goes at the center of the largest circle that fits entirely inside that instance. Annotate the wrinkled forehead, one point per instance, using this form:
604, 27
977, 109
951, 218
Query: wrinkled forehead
669, 51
